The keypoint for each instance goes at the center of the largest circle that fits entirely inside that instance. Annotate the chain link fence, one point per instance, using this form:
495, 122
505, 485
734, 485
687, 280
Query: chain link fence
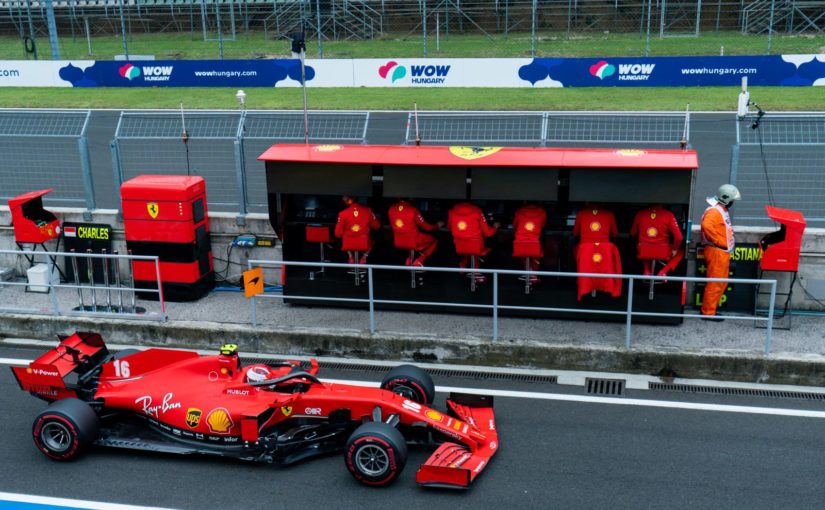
222, 147
46, 149
778, 159
668, 129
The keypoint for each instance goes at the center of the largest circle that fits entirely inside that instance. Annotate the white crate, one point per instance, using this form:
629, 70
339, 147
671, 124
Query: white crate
38, 276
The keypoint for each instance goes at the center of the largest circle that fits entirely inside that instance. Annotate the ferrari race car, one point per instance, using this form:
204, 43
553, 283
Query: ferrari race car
175, 401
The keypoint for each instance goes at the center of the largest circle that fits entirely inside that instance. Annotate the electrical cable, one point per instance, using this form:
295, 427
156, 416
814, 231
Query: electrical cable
756, 125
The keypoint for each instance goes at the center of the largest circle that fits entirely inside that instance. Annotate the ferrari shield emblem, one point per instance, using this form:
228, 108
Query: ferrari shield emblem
473, 152
287, 410
153, 209
193, 417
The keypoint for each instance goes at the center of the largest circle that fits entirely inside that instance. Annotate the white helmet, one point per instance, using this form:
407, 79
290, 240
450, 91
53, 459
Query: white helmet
727, 194
257, 373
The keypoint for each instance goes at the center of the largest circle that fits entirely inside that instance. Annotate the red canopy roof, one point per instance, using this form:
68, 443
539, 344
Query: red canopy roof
27, 197
482, 156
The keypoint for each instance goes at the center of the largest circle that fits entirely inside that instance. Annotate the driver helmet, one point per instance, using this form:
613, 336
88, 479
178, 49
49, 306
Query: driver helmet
727, 194
257, 373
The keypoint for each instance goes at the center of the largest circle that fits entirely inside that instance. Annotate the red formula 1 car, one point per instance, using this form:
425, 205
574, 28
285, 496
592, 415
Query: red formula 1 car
181, 402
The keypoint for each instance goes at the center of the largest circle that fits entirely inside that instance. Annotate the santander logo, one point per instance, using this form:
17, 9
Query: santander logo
602, 69
129, 71
393, 70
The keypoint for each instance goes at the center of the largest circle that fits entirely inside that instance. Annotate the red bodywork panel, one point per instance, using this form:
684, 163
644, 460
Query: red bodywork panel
782, 254
486, 156
208, 399
32, 223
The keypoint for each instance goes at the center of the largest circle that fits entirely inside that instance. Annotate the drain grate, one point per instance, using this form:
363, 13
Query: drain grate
604, 386
745, 392
435, 372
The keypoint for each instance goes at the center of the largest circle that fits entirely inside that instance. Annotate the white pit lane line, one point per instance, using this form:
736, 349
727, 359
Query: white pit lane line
49, 502
665, 404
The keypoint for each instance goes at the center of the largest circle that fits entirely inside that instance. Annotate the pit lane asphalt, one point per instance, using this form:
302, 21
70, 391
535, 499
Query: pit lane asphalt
553, 455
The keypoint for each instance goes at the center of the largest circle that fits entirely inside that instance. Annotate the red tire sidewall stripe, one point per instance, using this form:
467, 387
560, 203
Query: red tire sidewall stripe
412, 383
72, 430
391, 472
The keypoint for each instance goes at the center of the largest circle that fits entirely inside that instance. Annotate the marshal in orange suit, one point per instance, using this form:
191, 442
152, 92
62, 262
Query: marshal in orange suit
718, 243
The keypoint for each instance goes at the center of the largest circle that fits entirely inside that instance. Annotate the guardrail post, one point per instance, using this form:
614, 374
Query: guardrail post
240, 171
160, 289
254, 310
50, 269
372, 301
769, 329
495, 306
628, 324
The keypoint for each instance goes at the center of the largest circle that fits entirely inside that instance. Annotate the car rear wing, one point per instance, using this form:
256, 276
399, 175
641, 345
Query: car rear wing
453, 465
56, 373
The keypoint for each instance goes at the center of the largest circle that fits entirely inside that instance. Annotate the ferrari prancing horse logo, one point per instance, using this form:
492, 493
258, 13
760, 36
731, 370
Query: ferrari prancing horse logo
153, 209
473, 152
287, 410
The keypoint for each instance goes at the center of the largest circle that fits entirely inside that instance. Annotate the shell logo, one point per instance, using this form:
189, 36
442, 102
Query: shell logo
652, 232
219, 421
634, 153
327, 148
355, 228
433, 415
399, 223
529, 226
462, 225
595, 226
597, 257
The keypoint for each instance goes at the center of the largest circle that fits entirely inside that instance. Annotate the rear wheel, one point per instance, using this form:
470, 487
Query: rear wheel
410, 382
65, 429
376, 453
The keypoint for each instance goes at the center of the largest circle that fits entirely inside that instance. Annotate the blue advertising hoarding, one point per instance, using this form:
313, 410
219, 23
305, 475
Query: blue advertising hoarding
768, 70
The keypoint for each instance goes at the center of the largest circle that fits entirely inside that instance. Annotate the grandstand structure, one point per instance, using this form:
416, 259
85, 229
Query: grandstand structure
365, 19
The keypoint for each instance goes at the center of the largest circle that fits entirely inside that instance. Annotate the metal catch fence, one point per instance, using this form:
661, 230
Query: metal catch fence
550, 128
46, 149
778, 160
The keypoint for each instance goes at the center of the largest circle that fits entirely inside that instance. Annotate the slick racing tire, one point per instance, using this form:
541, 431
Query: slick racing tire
411, 382
65, 429
376, 453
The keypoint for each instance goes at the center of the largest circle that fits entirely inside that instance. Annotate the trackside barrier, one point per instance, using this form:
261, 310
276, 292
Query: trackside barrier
92, 298
495, 307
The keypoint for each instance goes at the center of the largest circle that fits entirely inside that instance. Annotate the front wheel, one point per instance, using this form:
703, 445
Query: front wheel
65, 428
376, 454
410, 382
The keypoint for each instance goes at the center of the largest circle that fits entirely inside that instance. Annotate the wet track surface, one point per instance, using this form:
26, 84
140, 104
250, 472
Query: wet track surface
554, 454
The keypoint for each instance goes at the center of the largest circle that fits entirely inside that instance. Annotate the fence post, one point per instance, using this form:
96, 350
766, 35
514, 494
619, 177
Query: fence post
628, 323
769, 329
372, 302
117, 170
50, 269
88, 183
240, 171
734, 163
495, 305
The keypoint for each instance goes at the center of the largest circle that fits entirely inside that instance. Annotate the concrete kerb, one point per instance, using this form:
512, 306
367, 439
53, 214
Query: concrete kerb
746, 366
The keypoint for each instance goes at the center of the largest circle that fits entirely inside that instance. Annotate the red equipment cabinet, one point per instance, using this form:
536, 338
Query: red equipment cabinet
783, 246
166, 216
32, 223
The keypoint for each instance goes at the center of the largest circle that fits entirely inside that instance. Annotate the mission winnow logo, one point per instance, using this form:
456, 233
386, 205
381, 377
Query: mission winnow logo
627, 72
150, 73
419, 74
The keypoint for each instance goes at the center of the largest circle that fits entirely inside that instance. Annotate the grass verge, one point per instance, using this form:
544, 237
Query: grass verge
646, 99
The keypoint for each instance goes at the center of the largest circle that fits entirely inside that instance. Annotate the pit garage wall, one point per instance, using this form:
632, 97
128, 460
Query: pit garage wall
224, 230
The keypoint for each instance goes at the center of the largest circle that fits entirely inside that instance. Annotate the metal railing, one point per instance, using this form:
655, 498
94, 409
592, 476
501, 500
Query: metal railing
109, 268
495, 307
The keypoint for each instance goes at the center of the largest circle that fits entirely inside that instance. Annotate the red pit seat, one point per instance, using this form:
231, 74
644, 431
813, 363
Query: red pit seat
407, 241
473, 248
646, 251
318, 234
529, 249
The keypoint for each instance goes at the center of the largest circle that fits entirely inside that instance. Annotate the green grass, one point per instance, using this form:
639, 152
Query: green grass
254, 45
654, 99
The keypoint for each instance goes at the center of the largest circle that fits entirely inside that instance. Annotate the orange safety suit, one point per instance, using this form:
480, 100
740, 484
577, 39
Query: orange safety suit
406, 219
718, 242
354, 226
657, 226
528, 223
466, 222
